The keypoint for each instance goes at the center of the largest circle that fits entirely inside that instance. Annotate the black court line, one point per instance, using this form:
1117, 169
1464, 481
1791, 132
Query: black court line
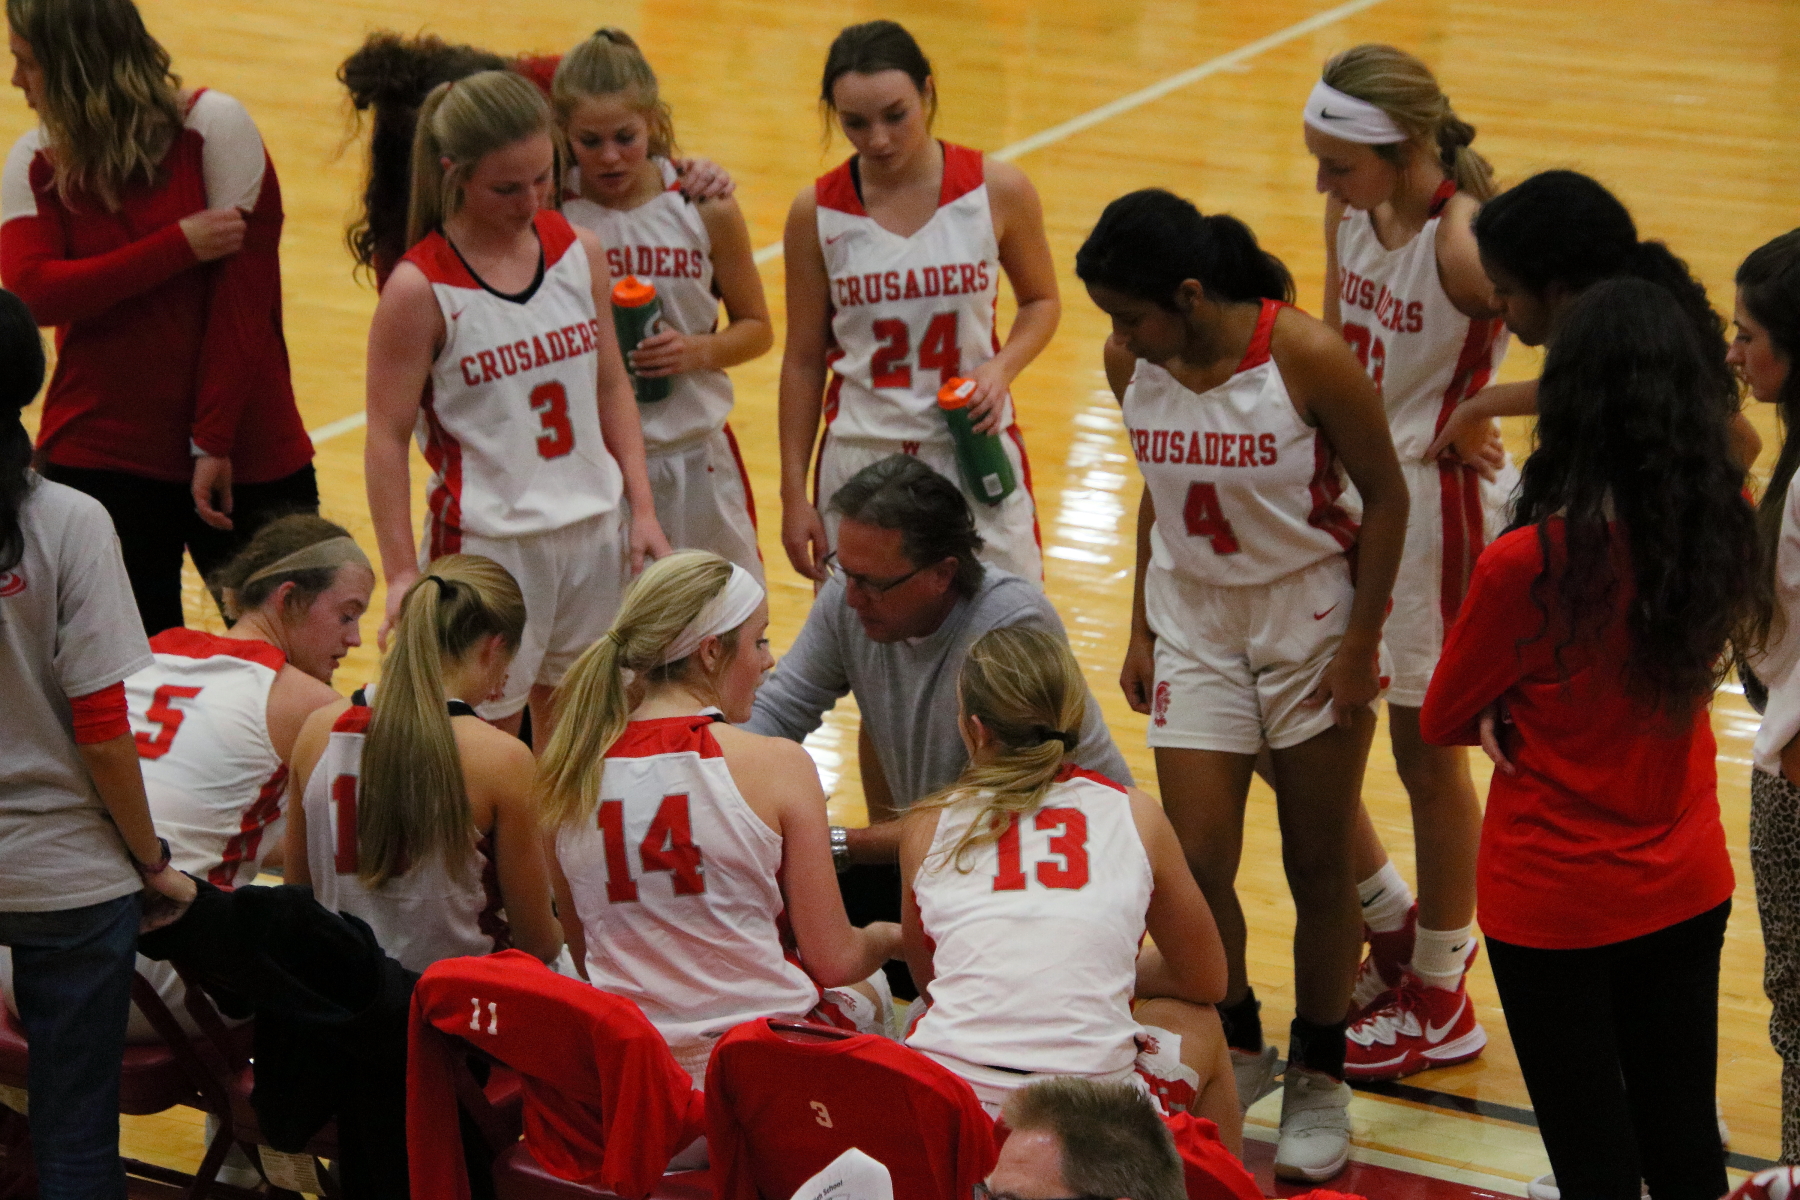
1506, 1112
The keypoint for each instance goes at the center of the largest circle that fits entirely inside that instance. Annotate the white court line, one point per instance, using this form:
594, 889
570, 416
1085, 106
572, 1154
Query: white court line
1069, 128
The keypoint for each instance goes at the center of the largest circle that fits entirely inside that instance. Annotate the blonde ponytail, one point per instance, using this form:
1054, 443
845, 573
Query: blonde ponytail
608, 64
1405, 89
1027, 689
412, 803
592, 708
462, 121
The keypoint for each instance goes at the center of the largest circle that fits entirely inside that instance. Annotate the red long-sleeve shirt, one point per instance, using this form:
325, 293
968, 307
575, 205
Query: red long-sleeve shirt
1610, 829
154, 348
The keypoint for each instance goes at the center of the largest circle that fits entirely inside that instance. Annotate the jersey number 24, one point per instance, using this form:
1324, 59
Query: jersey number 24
938, 351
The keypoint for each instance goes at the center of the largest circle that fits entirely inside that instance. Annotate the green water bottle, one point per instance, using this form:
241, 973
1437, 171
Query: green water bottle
986, 470
637, 314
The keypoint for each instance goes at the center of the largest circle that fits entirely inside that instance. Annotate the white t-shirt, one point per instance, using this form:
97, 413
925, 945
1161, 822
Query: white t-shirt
1778, 666
68, 628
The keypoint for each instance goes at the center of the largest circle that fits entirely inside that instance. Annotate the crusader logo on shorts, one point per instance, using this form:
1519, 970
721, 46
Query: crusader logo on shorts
1159, 707
11, 583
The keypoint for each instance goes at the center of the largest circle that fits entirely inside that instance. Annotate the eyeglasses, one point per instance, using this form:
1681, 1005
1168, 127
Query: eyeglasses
874, 587
981, 1192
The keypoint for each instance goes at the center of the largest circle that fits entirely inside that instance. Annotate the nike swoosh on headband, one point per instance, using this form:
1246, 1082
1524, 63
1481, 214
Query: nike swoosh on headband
1331, 116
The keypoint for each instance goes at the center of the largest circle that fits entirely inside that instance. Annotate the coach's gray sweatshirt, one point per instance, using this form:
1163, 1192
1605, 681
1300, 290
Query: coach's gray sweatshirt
906, 691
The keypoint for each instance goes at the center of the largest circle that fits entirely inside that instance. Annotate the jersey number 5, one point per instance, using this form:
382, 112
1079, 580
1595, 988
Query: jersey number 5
668, 845
1371, 351
1070, 845
938, 351
1205, 519
167, 717
551, 403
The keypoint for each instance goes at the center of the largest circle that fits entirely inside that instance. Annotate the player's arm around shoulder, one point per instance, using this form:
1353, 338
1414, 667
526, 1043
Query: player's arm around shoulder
308, 748
1459, 260
918, 829
1187, 961
497, 775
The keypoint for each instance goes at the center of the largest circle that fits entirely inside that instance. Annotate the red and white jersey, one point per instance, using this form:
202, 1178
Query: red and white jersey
1245, 491
663, 242
676, 884
200, 715
427, 914
509, 422
1424, 356
908, 314
1035, 944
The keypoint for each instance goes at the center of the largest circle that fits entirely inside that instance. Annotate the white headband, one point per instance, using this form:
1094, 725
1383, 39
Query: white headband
734, 605
1342, 116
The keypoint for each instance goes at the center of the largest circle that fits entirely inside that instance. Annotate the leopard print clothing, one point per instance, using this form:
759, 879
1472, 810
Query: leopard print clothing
1775, 861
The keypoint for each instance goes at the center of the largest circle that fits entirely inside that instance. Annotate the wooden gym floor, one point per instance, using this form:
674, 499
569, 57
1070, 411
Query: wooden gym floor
1676, 105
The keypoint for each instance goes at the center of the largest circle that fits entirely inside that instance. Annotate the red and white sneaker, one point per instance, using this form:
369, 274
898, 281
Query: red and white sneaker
1384, 964
1411, 1029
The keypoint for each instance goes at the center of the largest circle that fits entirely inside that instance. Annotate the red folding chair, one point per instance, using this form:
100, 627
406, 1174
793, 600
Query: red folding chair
785, 1099
605, 1107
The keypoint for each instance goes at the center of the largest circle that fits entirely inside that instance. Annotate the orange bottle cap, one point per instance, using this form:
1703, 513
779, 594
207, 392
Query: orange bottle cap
956, 393
631, 292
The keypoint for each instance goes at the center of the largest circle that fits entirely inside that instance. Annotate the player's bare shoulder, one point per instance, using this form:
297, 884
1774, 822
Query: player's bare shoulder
764, 758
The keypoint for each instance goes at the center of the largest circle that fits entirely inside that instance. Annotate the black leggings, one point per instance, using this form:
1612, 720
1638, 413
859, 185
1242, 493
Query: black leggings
1619, 1046
156, 521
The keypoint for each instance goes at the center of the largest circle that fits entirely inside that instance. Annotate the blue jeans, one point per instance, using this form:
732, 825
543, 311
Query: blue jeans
72, 977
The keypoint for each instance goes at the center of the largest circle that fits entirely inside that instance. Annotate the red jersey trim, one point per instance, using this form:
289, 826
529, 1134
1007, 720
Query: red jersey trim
668, 735
1459, 485
438, 259
1070, 771
354, 719
1441, 197
1325, 488
443, 453
197, 643
555, 234
242, 846
964, 171
1257, 352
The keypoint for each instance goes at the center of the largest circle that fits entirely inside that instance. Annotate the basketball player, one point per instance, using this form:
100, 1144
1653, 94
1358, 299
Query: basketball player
1404, 285
414, 814
1027, 887
685, 847
694, 254
893, 269
1248, 628
487, 339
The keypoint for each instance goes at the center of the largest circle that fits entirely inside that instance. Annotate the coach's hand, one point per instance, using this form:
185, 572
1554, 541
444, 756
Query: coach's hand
647, 540
214, 233
212, 490
1137, 678
803, 536
1351, 682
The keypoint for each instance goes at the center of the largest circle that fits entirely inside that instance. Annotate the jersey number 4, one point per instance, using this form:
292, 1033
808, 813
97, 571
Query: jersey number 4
1205, 519
668, 845
938, 351
551, 403
1371, 351
1070, 845
167, 717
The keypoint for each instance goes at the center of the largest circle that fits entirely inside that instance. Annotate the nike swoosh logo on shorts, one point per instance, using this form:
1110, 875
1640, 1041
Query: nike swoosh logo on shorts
1435, 1033
1326, 613
840, 237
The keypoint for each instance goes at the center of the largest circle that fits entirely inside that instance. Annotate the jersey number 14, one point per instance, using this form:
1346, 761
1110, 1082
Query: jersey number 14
668, 845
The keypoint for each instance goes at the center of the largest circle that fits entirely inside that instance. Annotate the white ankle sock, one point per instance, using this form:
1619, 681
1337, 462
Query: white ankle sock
1440, 956
1385, 900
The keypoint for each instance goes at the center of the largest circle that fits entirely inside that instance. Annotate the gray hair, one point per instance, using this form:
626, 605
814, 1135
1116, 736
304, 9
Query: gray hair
933, 517
1113, 1142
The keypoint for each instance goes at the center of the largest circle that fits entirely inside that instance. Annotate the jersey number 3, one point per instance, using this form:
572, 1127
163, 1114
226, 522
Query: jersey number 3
938, 352
1070, 844
668, 845
551, 403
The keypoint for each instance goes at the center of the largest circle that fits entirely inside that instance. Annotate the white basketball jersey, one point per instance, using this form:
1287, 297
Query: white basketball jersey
1245, 492
200, 716
508, 422
908, 314
1035, 944
420, 917
663, 242
1424, 356
675, 880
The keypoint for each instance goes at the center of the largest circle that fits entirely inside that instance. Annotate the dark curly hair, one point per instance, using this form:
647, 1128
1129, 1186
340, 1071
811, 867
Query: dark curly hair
392, 75
1634, 458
